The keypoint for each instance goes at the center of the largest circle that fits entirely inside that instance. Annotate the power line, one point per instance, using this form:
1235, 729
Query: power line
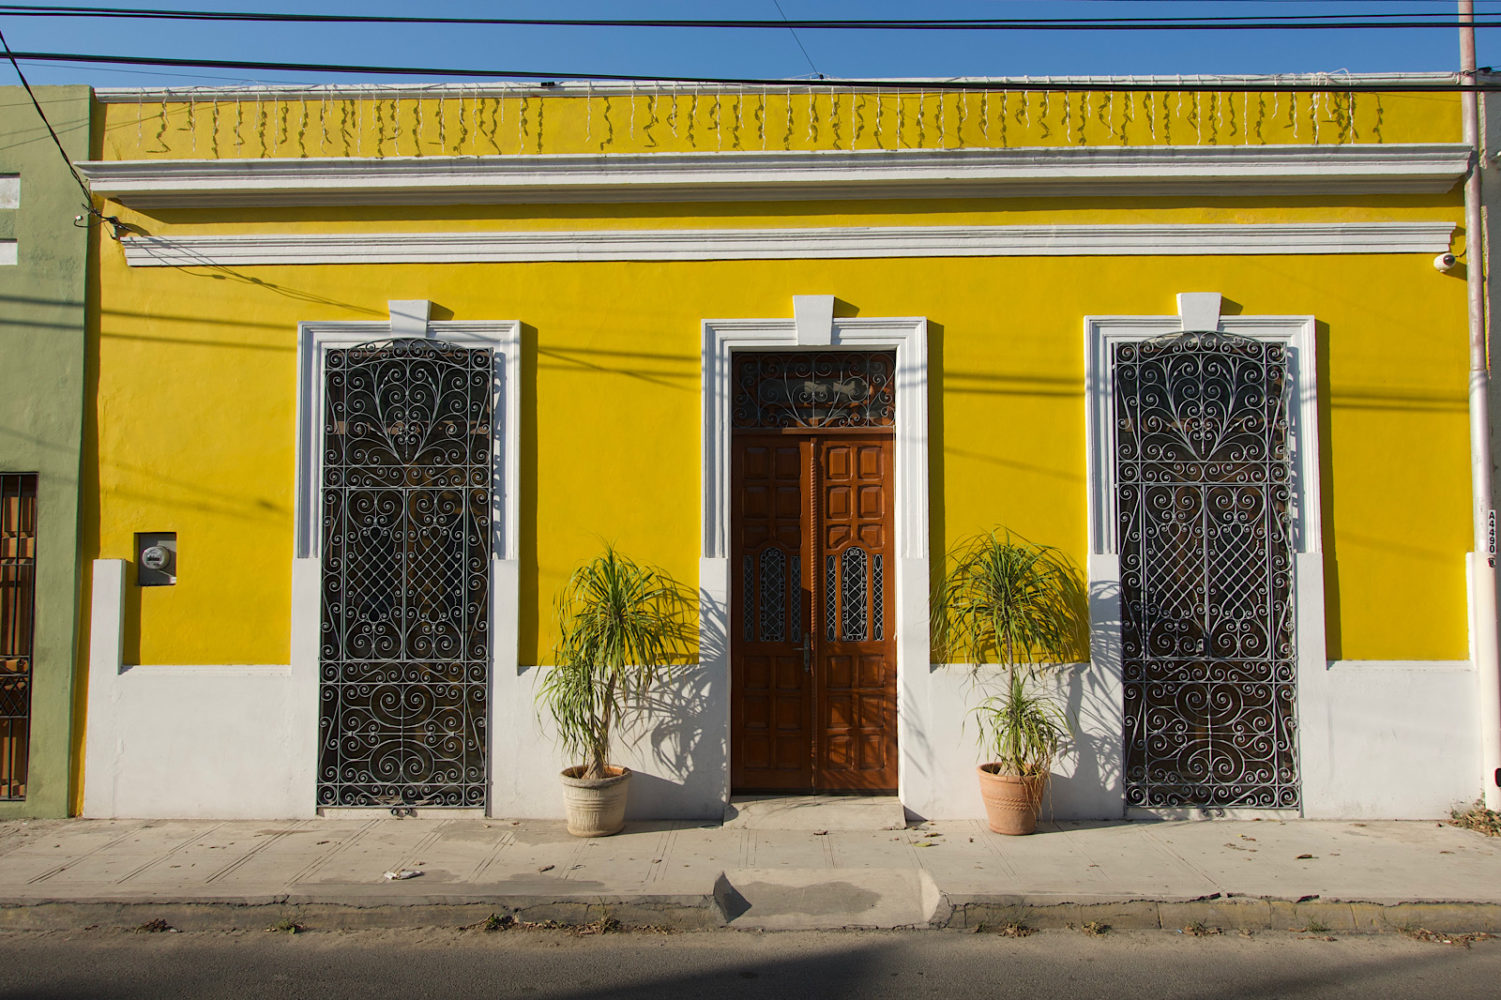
792, 31
1290, 22
547, 79
88, 199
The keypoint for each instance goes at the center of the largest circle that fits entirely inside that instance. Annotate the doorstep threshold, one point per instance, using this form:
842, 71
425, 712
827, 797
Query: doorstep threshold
815, 812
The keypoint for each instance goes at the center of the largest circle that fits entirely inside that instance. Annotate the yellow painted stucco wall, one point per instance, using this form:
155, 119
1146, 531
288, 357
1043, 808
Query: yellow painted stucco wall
193, 416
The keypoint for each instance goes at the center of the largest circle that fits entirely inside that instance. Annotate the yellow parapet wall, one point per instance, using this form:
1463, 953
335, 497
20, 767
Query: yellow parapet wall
490, 121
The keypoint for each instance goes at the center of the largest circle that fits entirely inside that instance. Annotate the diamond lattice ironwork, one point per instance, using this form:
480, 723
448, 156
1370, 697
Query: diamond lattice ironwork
405, 660
1203, 491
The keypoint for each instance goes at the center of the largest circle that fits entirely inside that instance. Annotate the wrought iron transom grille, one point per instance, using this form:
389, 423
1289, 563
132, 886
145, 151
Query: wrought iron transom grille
1203, 501
803, 389
17, 624
405, 643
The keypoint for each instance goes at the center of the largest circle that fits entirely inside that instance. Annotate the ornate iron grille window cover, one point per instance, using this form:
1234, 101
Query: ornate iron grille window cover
812, 390
773, 594
1203, 488
405, 644
853, 563
18, 515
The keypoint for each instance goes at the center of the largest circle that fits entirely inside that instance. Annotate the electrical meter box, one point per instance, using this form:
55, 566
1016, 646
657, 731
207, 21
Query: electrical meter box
156, 558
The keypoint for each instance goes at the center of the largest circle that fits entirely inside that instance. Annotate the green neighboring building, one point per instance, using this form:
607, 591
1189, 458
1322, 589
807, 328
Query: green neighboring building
43, 264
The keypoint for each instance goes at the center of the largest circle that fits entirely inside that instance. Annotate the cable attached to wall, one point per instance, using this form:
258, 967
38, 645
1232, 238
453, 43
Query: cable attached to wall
116, 226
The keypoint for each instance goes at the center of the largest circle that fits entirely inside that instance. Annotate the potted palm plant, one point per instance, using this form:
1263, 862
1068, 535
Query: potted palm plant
620, 625
1018, 604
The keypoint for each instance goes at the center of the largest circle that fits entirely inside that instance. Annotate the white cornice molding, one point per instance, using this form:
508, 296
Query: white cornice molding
1336, 83
246, 249
779, 175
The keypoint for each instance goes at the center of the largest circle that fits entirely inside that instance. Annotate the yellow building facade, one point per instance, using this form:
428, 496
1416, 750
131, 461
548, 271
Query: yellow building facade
632, 261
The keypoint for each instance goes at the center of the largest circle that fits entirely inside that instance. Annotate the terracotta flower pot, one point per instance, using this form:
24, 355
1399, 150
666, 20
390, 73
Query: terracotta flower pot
595, 807
1012, 802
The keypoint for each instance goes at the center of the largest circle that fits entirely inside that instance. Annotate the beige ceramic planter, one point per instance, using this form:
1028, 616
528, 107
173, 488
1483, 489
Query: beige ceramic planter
1012, 802
595, 807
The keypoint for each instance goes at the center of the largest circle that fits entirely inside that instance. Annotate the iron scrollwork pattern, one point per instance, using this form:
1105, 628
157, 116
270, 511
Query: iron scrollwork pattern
827, 389
405, 644
1204, 512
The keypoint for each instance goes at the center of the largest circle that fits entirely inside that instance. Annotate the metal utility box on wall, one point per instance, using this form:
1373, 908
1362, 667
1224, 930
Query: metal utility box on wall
156, 558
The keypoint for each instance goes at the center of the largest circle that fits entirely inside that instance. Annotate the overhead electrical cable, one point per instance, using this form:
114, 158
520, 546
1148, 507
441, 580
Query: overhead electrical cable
88, 198
1310, 84
1293, 22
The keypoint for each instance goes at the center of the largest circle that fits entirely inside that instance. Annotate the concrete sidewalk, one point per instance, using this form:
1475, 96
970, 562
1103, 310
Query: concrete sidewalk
1343, 876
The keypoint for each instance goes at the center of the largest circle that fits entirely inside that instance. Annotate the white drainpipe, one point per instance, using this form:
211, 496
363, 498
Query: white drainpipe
1482, 560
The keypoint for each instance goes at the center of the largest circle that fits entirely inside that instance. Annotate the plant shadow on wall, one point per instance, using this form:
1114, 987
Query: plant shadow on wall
622, 629
1021, 605
675, 718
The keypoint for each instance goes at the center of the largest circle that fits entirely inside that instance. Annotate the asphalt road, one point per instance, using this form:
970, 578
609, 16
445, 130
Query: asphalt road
561, 964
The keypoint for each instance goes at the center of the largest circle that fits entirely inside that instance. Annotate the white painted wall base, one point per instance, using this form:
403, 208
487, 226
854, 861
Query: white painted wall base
1388, 739
220, 741
1378, 740
675, 745
943, 751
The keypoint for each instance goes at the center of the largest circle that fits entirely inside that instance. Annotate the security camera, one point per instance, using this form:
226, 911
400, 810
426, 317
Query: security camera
1444, 262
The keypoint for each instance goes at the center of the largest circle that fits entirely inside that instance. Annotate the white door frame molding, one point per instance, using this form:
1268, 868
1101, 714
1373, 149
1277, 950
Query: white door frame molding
815, 328
409, 318
1201, 311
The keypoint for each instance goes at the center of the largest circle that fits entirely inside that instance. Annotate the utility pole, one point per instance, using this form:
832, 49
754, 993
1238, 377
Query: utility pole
1483, 559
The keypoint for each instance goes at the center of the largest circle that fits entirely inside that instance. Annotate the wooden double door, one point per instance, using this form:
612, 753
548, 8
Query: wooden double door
812, 619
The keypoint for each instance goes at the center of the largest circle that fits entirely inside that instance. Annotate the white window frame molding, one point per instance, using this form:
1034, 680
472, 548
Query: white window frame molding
1103, 333
409, 318
1201, 311
815, 328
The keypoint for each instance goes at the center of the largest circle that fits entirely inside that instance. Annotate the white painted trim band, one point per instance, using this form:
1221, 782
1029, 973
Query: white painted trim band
783, 175
1336, 83
1406, 666
246, 249
200, 671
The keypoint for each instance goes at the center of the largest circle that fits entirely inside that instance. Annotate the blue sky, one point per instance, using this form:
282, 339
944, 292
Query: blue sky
562, 53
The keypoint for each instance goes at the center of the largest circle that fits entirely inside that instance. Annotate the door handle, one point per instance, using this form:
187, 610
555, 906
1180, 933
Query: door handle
807, 653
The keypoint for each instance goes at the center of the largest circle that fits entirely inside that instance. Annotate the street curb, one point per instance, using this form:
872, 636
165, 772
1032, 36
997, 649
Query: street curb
676, 912
1223, 913
718, 908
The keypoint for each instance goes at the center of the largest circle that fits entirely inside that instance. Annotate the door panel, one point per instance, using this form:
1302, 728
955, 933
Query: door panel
813, 661
855, 665
772, 692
